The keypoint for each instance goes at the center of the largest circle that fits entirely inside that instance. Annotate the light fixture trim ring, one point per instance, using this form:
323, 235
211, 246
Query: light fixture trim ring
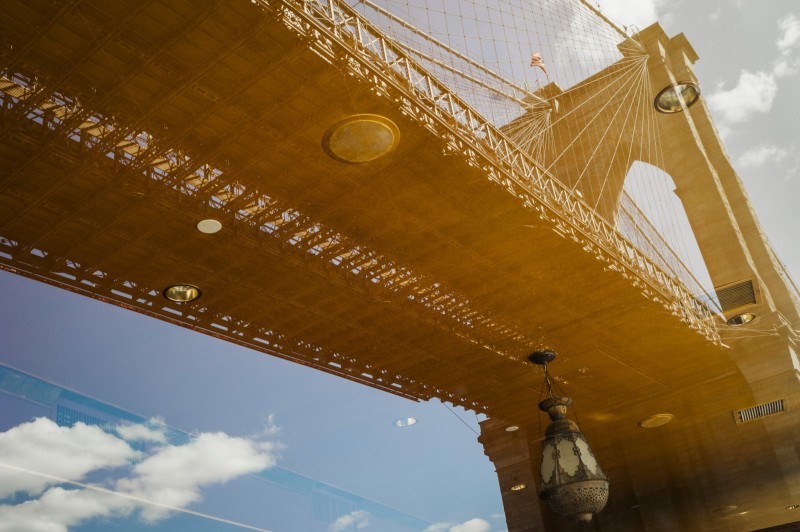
209, 226
656, 420
182, 293
361, 138
742, 319
662, 101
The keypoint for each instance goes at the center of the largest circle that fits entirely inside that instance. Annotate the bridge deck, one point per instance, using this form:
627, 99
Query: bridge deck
428, 273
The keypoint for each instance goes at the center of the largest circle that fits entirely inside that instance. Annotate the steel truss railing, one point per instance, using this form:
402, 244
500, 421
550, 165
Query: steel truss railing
88, 281
138, 152
342, 36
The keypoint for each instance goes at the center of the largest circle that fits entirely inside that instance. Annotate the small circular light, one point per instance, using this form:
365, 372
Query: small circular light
512, 428
518, 487
741, 319
182, 293
209, 226
674, 98
361, 138
405, 422
793, 507
656, 421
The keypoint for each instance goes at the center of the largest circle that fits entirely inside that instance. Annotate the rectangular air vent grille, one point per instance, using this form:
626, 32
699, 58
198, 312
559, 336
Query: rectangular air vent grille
736, 295
759, 411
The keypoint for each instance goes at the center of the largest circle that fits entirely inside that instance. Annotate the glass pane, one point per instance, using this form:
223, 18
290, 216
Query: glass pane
110, 420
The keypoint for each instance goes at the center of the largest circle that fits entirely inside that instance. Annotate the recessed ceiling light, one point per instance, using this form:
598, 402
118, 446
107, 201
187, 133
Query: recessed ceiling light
656, 421
793, 507
674, 98
209, 226
512, 428
361, 138
518, 487
405, 422
741, 319
182, 293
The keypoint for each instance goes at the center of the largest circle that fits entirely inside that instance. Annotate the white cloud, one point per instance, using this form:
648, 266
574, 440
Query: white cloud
640, 13
140, 432
787, 64
171, 475
58, 509
358, 519
761, 155
783, 67
439, 527
473, 525
270, 428
753, 93
66, 452
790, 33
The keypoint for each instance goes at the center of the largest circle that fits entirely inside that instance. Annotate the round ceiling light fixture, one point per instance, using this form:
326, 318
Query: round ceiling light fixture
182, 293
209, 226
512, 428
674, 98
793, 507
518, 487
742, 319
656, 420
405, 422
361, 138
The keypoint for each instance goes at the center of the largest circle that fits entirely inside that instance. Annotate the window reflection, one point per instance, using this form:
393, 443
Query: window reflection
71, 360
79, 452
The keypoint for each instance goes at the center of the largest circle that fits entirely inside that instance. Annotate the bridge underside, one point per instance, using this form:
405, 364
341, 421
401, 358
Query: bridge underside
126, 123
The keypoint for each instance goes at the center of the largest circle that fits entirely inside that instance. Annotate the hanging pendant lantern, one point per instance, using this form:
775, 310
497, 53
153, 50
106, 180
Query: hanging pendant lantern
572, 483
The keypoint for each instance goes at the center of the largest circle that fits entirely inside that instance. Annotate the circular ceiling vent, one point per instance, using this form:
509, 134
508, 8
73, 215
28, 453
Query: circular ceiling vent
209, 226
656, 421
361, 138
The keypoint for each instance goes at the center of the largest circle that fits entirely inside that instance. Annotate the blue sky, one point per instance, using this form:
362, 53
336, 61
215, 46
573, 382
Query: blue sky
335, 431
338, 432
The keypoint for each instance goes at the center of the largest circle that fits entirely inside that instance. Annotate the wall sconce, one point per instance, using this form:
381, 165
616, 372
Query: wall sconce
573, 485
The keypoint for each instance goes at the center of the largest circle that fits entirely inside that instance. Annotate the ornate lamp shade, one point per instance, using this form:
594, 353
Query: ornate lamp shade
573, 485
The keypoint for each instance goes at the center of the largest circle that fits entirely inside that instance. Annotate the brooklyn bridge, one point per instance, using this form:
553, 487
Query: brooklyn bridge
325, 182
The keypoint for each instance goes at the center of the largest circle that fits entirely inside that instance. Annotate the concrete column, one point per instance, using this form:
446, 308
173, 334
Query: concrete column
516, 461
